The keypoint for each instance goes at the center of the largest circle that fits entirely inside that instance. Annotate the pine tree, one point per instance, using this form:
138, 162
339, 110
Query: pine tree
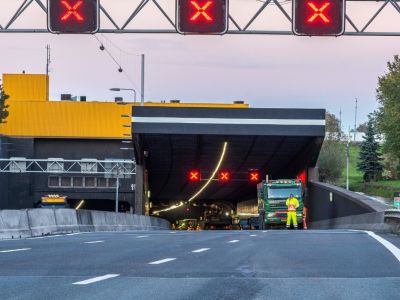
3, 106
370, 156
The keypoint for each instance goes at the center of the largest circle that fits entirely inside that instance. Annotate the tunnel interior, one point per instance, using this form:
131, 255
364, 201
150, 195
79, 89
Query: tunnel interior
171, 157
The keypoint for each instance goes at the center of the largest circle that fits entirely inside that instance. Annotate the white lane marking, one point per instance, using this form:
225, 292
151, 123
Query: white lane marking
253, 234
15, 250
76, 233
94, 242
265, 231
172, 232
388, 245
200, 250
96, 279
162, 261
142, 236
233, 241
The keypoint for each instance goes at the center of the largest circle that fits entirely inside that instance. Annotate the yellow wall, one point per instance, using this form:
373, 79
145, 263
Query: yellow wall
66, 119
23, 87
31, 114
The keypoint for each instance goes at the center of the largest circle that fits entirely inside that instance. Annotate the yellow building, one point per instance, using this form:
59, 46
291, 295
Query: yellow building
32, 114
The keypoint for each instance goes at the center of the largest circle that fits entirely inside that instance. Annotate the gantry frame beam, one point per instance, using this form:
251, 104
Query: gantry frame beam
352, 28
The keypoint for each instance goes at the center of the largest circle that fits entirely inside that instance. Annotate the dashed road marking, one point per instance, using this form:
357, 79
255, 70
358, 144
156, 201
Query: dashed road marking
162, 261
265, 231
233, 241
15, 250
142, 236
94, 242
172, 232
388, 245
200, 250
253, 234
96, 279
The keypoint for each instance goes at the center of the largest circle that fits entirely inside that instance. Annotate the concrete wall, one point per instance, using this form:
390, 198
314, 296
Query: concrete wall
39, 222
331, 207
326, 202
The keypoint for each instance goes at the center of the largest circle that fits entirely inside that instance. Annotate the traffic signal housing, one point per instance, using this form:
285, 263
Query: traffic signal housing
319, 17
224, 176
202, 16
73, 16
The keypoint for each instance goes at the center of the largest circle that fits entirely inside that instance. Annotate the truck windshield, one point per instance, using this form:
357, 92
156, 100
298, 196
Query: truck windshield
283, 193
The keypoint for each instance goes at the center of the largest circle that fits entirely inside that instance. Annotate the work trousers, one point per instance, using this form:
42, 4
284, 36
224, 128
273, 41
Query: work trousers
291, 216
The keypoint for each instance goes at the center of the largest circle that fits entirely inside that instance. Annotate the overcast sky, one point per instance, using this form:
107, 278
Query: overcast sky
263, 70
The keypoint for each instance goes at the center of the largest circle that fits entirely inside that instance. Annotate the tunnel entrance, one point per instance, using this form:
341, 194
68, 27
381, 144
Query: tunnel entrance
171, 142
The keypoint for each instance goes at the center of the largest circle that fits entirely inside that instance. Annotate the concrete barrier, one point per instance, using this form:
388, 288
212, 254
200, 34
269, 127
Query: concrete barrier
42, 221
85, 221
66, 220
371, 221
14, 224
38, 222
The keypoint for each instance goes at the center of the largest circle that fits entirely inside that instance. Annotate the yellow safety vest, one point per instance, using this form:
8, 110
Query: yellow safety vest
292, 204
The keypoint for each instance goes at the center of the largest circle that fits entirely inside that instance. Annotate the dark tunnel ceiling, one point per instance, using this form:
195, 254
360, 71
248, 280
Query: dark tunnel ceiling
170, 157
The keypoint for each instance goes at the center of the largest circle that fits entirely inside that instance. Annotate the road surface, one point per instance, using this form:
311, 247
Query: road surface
202, 265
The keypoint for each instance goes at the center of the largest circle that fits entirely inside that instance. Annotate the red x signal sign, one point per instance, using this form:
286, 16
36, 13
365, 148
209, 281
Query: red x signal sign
72, 11
73, 16
318, 13
254, 176
201, 11
202, 16
194, 175
319, 17
224, 176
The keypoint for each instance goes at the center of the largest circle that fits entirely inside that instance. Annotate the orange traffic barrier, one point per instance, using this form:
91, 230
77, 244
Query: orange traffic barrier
305, 218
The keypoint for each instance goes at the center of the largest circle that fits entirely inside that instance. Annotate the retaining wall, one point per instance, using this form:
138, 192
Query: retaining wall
39, 222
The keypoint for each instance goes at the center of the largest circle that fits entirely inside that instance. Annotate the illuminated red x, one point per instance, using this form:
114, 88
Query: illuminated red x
201, 10
224, 176
318, 12
254, 176
194, 176
72, 11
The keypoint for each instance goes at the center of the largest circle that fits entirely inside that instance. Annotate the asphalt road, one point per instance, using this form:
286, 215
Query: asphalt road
202, 265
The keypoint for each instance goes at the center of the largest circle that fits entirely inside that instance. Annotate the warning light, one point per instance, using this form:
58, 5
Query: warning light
224, 176
202, 16
73, 16
319, 17
254, 176
194, 175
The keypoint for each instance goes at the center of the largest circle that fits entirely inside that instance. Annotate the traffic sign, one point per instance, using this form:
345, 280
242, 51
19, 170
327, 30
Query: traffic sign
397, 200
224, 176
73, 16
319, 17
194, 175
254, 176
202, 16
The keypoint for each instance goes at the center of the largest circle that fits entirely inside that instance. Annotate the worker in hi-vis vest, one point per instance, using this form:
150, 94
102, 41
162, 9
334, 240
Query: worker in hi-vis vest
292, 204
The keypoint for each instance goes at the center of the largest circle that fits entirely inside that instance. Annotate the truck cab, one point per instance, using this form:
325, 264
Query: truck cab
272, 196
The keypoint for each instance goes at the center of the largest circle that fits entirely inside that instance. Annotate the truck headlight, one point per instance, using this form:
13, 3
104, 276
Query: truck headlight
269, 215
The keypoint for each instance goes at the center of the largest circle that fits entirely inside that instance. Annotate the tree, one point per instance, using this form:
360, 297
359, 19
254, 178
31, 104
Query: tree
370, 158
388, 115
362, 127
331, 160
3, 106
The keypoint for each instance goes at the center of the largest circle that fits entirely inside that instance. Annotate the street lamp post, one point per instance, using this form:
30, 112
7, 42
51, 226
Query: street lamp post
120, 89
